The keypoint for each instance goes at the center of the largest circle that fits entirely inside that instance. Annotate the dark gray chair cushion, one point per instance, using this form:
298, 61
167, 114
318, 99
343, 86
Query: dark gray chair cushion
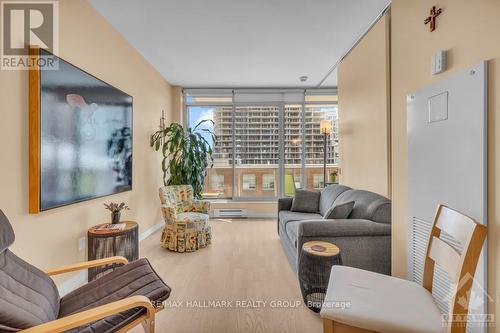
340, 211
306, 201
368, 205
328, 196
6, 233
28, 296
135, 278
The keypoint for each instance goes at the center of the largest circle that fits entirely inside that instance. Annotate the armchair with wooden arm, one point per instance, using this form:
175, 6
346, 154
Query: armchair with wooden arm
109, 304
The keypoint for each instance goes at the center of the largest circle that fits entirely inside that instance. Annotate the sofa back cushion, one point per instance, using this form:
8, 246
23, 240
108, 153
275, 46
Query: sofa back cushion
28, 296
340, 211
306, 201
368, 205
328, 196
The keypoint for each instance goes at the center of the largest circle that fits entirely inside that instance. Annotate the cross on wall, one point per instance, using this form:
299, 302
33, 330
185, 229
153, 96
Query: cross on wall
434, 13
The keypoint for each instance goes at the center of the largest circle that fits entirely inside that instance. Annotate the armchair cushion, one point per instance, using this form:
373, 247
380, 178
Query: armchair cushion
28, 296
6, 233
177, 199
192, 217
135, 278
306, 201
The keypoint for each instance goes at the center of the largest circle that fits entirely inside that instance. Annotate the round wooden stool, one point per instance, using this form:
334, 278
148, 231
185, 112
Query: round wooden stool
315, 263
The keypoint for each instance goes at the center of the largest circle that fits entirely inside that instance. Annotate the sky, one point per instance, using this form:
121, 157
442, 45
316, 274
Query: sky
199, 113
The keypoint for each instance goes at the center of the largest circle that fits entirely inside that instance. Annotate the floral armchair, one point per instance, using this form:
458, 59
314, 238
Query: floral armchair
187, 225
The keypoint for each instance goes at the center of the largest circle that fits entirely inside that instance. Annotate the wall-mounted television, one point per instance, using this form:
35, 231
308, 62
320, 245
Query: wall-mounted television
80, 136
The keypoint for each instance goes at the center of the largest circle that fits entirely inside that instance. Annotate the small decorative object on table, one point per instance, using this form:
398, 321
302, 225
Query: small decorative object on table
115, 210
315, 263
109, 240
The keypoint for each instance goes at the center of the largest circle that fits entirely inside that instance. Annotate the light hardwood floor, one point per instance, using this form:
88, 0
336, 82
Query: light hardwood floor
244, 263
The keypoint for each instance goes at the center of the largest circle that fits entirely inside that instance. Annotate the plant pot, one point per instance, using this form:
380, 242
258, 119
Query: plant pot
115, 217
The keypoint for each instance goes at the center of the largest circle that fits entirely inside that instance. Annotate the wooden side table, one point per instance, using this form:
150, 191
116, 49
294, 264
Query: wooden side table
315, 263
109, 243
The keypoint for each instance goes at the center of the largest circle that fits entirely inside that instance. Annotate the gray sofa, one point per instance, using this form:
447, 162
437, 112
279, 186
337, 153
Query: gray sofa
364, 238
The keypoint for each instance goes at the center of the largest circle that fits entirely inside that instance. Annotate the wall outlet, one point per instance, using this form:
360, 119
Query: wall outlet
81, 244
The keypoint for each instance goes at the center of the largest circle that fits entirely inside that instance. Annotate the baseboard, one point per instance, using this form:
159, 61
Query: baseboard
81, 277
151, 230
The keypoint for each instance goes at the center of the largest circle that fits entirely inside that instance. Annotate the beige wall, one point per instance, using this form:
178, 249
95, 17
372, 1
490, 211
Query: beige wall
364, 112
468, 40
89, 42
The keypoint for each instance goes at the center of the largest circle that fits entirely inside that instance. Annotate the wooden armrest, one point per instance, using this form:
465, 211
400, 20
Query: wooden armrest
88, 316
87, 264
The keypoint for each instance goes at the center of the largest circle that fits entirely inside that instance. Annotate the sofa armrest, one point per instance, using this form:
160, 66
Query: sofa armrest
343, 228
285, 203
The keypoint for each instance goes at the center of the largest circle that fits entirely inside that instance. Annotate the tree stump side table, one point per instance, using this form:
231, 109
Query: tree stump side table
108, 243
315, 263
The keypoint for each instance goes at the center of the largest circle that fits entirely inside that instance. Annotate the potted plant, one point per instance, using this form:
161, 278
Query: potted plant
115, 210
186, 154
334, 176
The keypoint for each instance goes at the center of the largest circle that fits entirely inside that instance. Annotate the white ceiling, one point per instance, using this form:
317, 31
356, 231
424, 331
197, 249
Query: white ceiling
242, 43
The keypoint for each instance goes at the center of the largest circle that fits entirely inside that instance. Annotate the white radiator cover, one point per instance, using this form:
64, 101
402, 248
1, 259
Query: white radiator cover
230, 212
447, 159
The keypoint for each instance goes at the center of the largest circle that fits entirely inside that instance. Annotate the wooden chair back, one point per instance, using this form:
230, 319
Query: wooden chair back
460, 266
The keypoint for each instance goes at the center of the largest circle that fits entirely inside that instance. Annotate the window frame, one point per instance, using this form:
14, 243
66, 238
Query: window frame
279, 181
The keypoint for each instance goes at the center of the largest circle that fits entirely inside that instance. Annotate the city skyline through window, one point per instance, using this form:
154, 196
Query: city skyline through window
264, 150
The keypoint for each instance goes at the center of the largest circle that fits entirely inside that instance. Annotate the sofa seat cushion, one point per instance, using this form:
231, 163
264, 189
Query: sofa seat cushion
135, 278
380, 303
287, 216
292, 231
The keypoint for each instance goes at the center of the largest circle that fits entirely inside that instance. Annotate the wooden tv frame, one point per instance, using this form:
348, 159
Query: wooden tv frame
34, 131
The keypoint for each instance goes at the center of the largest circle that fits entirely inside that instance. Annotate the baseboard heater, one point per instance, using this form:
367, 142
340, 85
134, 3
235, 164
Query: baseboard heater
229, 212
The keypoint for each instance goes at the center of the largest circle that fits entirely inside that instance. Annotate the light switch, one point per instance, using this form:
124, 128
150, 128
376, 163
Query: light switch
439, 62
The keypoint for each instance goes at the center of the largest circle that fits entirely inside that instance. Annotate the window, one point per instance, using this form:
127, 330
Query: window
317, 181
268, 182
248, 182
217, 182
268, 141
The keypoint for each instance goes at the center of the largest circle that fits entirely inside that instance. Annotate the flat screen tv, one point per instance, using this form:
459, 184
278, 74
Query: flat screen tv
84, 137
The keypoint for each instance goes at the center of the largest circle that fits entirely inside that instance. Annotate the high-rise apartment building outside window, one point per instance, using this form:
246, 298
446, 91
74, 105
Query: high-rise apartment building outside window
268, 142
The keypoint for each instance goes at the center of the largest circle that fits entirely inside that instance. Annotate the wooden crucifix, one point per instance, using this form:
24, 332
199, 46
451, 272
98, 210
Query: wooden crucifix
434, 13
